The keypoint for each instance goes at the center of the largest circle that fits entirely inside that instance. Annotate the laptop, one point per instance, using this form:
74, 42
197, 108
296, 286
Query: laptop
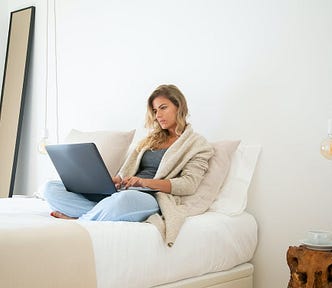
82, 169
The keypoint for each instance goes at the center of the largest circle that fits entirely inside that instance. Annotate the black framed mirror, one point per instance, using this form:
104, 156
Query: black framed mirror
13, 92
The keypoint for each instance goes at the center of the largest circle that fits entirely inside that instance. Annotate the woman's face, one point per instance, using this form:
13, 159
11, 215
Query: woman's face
165, 112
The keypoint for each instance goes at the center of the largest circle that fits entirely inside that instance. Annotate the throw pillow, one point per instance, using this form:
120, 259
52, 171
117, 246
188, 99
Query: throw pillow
112, 145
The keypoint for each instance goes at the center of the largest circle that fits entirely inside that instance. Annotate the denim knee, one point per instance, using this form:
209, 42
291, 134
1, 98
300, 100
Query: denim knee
50, 187
69, 203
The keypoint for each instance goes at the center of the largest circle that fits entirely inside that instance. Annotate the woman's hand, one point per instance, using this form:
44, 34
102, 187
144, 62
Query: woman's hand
162, 185
133, 182
117, 182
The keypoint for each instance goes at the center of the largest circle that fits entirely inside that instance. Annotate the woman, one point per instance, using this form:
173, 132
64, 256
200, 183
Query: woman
171, 159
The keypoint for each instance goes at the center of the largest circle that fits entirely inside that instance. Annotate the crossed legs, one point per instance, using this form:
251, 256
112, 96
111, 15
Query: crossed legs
128, 205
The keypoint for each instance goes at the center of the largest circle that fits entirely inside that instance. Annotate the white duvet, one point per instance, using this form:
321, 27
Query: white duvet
134, 254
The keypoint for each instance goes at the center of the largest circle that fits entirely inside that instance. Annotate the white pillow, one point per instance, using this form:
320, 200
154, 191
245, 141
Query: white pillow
232, 199
112, 145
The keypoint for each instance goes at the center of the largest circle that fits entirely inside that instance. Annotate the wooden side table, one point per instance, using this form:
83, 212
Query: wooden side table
309, 268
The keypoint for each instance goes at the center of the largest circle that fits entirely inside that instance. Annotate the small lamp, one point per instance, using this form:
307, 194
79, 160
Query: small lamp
43, 142
326, 145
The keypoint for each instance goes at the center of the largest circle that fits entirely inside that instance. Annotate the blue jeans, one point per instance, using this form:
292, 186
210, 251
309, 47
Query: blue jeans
127, 205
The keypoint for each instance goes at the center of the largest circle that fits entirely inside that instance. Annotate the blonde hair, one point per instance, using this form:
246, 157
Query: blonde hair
157, 135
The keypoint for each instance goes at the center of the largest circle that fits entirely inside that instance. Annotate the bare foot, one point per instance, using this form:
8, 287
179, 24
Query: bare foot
60, 215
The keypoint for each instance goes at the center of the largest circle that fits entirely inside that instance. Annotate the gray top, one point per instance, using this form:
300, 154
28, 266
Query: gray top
150, 163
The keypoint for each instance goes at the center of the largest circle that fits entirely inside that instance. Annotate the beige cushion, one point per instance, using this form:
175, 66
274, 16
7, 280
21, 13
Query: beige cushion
219, 165
112, 145
232, 199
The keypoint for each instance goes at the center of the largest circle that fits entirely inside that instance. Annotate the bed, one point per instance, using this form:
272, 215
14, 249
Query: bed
133, 254
213, 249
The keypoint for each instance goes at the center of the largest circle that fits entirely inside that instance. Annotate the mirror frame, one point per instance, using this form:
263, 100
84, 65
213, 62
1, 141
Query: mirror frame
13, 94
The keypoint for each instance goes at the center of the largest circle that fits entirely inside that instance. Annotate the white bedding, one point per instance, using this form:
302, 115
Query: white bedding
134, 254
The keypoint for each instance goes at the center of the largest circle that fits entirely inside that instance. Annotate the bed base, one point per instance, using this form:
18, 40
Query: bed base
240, 276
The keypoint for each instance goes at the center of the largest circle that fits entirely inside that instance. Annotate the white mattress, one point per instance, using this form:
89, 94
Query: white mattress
134, 254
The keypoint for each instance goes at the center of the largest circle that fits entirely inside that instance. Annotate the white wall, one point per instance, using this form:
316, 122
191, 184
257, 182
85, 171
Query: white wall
255, 70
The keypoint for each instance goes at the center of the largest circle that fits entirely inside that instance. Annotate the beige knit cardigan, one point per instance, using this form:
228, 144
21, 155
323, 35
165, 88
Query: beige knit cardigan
184, 163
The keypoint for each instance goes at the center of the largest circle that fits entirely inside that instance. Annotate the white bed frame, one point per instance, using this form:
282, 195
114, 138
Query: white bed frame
240, 276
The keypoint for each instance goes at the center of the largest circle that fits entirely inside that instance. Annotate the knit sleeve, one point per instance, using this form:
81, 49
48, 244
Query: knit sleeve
192, 173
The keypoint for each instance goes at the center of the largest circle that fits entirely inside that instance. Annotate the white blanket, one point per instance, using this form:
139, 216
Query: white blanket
134, 254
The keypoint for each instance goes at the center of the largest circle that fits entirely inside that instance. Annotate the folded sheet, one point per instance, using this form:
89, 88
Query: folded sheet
37, 255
